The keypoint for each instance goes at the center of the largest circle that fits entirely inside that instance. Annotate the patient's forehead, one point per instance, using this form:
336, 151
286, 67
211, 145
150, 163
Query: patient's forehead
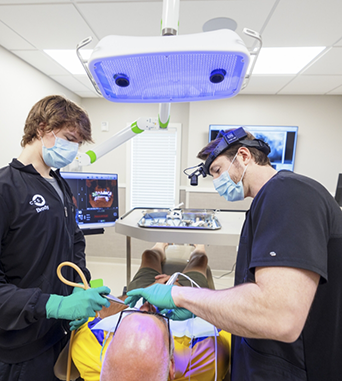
130, 348
140, 324
139, 331
138, 318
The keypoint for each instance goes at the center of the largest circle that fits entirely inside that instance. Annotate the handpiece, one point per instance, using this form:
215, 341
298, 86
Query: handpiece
172, 278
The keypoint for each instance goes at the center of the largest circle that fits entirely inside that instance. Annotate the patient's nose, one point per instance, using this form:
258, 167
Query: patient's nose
148, 307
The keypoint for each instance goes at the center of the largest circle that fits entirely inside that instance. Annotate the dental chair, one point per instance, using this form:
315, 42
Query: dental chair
171, 266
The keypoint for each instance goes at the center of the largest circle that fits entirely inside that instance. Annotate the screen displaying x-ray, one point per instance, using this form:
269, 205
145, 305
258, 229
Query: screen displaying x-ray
281, 139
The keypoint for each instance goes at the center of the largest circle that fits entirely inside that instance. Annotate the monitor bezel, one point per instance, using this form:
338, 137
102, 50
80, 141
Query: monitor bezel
338, 192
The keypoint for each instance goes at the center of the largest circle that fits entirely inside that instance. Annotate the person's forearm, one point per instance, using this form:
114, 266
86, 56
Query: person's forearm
226, 309
274, 307
20, 307
241, 310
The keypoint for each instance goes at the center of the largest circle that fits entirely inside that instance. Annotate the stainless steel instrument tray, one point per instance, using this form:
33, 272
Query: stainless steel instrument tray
200, 219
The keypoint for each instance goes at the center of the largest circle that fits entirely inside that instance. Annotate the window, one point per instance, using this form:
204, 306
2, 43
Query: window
154, 162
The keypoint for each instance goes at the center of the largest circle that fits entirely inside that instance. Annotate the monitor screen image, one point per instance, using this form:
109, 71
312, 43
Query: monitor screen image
95, 196
281, 139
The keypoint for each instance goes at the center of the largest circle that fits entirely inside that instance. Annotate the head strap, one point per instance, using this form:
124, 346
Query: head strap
232, 137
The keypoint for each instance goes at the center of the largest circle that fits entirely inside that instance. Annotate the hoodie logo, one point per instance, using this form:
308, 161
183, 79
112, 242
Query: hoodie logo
39, 202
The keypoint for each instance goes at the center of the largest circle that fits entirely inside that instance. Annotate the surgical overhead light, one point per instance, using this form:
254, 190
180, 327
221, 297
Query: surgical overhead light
175, 68
164, 69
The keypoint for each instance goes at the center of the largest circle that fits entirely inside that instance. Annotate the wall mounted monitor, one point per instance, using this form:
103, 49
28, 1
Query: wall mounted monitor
282, 140
95, 197
338, 193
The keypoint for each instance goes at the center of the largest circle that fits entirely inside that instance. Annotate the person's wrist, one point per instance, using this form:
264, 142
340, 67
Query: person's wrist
52, 306
176, 295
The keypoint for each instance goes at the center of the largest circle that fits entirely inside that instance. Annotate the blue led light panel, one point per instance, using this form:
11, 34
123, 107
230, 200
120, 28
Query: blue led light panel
169, 77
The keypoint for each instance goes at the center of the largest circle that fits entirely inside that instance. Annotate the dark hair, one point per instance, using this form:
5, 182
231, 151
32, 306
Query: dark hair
258, 156
56, 112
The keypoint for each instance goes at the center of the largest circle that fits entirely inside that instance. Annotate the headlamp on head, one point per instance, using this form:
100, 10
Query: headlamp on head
227, 139
199, 170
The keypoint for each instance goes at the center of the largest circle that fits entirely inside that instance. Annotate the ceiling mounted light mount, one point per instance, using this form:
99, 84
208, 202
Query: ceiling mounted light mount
219, 23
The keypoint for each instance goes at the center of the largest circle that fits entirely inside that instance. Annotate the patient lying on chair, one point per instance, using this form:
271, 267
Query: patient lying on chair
145, 345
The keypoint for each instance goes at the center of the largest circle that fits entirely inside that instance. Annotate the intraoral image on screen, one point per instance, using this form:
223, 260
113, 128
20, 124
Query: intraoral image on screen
95, 198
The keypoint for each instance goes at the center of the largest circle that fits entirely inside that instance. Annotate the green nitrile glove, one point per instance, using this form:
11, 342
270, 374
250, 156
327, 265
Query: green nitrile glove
78, 289
79, 305
177, 314
75, 324
159, 295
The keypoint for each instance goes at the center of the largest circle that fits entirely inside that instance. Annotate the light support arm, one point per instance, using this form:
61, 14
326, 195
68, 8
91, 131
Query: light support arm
170, 18
137, 127
169, 27
79, 46
255, 52
164, 115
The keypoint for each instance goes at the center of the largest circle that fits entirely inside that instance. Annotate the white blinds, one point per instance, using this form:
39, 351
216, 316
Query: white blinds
154, 167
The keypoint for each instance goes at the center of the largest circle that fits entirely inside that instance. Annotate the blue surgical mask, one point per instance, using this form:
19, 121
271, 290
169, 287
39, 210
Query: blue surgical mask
61, 154
226, 187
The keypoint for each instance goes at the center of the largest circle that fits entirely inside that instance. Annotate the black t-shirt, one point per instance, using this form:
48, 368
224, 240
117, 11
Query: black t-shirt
294, 222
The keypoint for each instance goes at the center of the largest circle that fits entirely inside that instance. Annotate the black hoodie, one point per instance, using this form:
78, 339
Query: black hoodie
37, 233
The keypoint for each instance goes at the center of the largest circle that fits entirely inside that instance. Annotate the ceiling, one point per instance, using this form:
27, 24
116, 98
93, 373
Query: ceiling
27, 27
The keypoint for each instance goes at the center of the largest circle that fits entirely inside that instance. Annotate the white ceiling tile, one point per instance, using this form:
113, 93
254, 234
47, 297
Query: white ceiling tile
247, 14
145, 17
11, 40
304, 23
47, 26
123, 18
69, 82
266, 84
329, 64
41, 61
124, 1
310, 84
28, 26
20, 2
87, 94
85, 81
336, 91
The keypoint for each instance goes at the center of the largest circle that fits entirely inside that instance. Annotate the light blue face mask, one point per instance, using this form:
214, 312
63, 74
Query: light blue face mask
226, 187
61, 154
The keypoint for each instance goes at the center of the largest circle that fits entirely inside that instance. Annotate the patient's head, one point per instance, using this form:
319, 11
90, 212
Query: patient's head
139, 350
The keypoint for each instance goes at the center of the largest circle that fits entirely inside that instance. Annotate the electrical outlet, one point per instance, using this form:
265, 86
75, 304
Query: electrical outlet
104, 126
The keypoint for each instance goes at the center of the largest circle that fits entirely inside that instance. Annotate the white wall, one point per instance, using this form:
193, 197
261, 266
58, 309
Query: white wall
118, 115
319, 121
319, 145
21, 86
